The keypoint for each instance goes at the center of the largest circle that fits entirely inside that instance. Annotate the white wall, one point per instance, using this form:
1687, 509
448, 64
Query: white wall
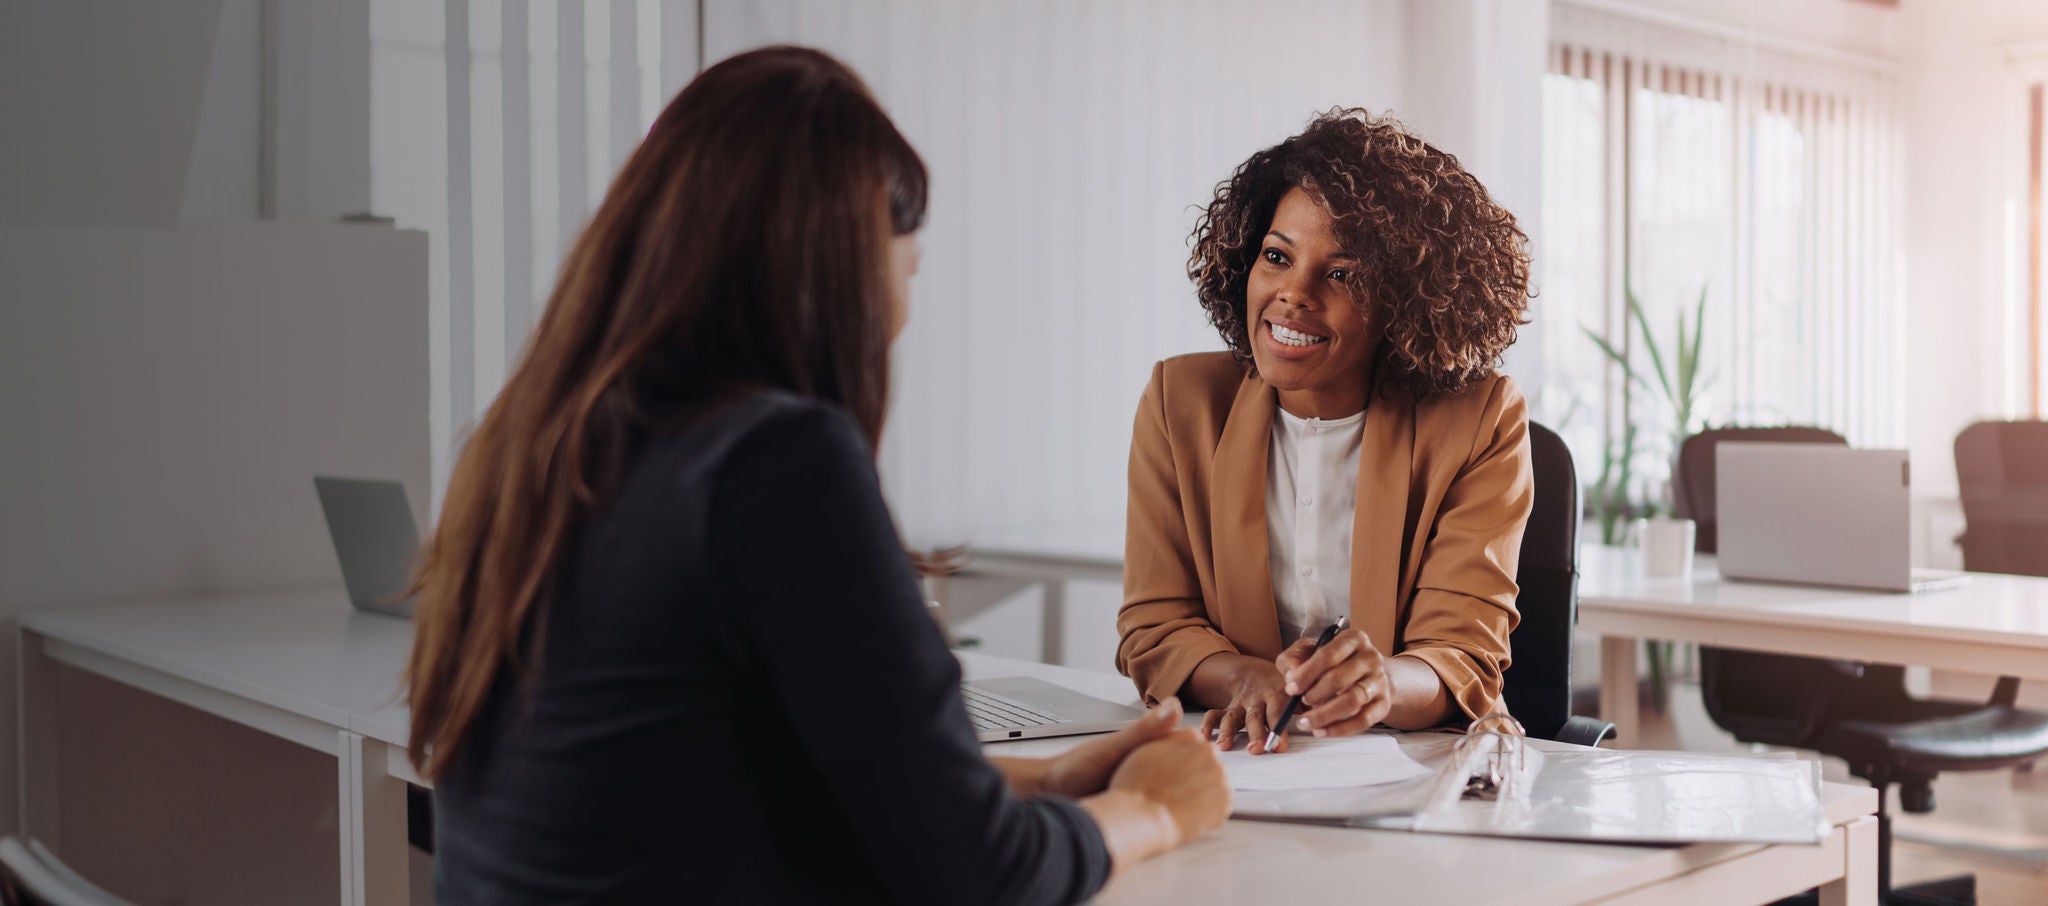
320, 114
150, 114
101, 102
223, 180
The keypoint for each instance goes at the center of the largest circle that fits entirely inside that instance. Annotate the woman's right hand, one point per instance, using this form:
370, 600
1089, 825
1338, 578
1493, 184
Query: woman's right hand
1165, 793
1256, 694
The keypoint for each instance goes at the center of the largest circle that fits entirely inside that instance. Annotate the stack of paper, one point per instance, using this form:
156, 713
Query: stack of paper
1322, 764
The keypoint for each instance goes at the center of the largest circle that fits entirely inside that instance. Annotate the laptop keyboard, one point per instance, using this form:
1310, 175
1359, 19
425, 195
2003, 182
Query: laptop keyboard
990, 711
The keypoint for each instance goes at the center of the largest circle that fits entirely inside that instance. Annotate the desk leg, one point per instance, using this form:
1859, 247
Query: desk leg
938, 595
1053, 633
36, 738
373, 829
1618, 688
1858, 884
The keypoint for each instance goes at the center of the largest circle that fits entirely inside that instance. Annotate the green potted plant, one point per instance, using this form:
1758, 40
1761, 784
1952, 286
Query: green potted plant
1666, 541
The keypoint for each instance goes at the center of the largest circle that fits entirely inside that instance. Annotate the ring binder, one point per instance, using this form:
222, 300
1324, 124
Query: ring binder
1489, 763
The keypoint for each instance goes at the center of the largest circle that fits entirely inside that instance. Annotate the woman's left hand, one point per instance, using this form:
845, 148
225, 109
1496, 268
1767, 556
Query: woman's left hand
1345, 687
1084, 770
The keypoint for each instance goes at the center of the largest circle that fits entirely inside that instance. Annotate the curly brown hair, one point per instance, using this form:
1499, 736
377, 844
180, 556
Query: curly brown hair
1445, 270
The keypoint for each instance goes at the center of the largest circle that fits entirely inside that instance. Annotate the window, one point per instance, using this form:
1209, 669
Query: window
1714, 181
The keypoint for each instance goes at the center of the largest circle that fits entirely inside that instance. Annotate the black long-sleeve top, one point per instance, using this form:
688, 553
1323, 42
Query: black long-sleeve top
740, 698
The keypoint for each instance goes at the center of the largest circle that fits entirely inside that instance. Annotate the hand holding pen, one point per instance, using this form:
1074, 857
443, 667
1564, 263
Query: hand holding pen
1294, 704
1345, 682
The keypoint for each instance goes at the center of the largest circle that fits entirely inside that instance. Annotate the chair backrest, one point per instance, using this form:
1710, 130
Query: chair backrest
1692, 482
1538, 682
31, 875
2002, 473
1747, 693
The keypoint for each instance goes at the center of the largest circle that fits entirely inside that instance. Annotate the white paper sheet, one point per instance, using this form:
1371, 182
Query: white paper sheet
1314, 764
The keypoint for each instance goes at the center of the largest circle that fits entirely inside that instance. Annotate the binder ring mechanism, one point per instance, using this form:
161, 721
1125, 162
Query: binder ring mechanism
1493, 756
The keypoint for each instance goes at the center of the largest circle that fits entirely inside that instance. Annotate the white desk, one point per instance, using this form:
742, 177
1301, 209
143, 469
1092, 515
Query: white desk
305, 667
1052, 556
1253, 861
1992, 624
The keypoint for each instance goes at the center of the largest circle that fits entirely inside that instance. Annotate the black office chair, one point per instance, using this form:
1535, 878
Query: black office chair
2002, 472
1860, 713
1538, 681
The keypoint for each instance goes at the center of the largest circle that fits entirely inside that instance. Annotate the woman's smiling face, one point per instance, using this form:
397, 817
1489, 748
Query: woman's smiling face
1310, 338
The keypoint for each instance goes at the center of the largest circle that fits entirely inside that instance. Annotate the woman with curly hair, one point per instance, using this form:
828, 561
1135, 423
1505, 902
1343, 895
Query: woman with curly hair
1354, 453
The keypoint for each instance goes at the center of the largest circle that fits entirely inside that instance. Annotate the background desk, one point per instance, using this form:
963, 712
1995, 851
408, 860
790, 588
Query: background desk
305, 667
1050, 556
1992, 624
302, 666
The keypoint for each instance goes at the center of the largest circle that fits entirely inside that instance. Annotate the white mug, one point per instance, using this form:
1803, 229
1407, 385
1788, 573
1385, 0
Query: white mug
1667, 546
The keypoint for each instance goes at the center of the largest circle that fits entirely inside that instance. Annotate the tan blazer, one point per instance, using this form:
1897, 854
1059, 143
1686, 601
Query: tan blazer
1444, 491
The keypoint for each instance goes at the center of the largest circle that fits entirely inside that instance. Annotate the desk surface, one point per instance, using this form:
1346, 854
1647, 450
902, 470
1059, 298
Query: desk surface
1250, 861
1988, 608
307, 652
1097, 545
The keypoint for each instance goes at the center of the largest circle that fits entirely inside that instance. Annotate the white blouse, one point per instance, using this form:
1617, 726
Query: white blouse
1311, 493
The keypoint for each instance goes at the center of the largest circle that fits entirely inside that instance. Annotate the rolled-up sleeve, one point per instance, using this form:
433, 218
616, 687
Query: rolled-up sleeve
1464, 602
1163, 624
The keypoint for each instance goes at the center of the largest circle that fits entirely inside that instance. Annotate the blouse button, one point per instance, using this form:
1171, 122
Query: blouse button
1308, 570
1307, 500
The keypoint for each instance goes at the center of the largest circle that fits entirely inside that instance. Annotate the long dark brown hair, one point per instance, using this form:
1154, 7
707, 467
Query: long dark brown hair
743, 244
1446, 269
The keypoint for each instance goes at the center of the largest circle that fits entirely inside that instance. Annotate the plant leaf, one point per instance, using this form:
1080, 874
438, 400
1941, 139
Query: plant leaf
1635, 308
1628, 371
1690, 346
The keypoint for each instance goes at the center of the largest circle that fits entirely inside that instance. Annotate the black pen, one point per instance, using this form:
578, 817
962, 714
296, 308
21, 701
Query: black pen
1294, 704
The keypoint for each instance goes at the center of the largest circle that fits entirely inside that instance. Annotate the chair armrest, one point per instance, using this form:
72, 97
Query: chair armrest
2007, 692
1580, 730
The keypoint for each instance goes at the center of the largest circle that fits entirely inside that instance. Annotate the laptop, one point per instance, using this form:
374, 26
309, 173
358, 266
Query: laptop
1819, 514
375, 539
1024, 708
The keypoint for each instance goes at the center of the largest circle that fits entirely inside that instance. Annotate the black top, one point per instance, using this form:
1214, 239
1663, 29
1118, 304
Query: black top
740, 698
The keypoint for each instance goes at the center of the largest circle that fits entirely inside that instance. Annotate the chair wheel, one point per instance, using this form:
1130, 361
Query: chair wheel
1917, 798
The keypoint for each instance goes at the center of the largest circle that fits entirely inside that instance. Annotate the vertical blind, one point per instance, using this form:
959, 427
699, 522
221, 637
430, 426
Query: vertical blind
1070, 144
495, 126
1678, 163
2032, 327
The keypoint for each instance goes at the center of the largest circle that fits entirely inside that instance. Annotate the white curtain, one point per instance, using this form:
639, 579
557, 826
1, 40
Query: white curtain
1679, 162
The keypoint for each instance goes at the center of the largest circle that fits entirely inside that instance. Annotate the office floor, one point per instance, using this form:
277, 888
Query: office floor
1993, 824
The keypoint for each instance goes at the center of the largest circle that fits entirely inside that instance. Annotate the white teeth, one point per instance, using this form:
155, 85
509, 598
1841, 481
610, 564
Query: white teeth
1294, 337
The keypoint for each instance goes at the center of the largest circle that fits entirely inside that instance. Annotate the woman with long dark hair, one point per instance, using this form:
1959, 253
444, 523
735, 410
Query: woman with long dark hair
669, 646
